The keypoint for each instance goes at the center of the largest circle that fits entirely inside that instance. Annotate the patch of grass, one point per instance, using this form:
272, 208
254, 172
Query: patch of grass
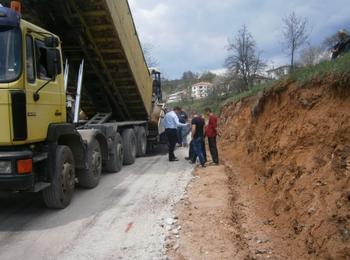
339, 66
251, 92
216, 103
300, 75
199, 105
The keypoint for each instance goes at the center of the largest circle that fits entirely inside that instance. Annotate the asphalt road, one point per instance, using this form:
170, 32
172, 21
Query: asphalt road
120, 219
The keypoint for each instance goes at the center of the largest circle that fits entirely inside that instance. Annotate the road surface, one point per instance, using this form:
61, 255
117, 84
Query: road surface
122, 218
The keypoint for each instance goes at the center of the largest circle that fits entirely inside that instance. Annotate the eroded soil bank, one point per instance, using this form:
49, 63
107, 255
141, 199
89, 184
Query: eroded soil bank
289, 154
284, 192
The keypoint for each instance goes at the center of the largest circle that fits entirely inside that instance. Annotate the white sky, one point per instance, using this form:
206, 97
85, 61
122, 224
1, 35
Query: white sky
192, 34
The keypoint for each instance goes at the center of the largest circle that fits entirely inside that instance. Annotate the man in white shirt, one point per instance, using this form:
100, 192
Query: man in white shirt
171, 123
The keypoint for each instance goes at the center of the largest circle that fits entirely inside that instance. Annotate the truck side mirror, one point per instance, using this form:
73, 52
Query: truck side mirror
51, 42
52, 63
53, 68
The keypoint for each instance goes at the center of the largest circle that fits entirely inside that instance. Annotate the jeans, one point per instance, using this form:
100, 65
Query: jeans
197, 144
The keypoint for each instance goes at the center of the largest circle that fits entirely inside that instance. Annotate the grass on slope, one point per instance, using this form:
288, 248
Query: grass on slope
338, 66
301, 75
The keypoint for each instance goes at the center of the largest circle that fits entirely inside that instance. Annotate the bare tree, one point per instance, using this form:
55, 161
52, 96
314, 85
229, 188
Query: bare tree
295, 34
330, 42
147, 52
311, 55
244, 60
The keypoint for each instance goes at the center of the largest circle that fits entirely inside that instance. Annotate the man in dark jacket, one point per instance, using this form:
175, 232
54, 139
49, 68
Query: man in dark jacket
343, 45
182, 130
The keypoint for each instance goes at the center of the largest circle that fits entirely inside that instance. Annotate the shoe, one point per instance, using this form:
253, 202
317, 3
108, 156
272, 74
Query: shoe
174, 160
213, 164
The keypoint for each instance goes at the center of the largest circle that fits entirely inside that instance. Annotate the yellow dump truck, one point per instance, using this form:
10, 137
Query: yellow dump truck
76, 96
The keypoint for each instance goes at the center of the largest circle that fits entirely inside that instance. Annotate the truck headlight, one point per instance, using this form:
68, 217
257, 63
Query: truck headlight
5, 167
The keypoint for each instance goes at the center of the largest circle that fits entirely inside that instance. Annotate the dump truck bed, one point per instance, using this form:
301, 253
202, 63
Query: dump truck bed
102, 32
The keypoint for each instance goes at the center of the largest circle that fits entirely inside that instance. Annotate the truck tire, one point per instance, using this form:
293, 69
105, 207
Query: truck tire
141, 146
60, 193
115, 162
129, 146
90, 177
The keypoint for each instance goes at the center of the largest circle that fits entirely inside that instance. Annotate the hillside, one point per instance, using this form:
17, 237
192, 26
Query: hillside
287, 151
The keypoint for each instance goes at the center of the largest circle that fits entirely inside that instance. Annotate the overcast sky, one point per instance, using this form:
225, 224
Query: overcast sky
192, 34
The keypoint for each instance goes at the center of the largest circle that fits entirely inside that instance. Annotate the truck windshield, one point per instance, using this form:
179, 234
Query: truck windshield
10, 54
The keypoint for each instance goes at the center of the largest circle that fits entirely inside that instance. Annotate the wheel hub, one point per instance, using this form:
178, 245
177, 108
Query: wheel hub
67, 177
96, 162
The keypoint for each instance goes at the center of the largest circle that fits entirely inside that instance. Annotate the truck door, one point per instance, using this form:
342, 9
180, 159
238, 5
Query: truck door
49, 107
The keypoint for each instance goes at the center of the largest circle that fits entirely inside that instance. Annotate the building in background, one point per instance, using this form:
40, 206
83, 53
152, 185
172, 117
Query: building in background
177, 96
260, 79
201, 90
277, 73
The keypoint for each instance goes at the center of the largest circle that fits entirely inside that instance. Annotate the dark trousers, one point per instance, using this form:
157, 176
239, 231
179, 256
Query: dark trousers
172, 140
179, 135
198, 149
191, 152
213, 149
204, 150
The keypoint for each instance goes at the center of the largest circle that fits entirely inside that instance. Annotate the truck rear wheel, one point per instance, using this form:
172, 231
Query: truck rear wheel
90, 177
129, 146
60, 193
115, 162
141, 141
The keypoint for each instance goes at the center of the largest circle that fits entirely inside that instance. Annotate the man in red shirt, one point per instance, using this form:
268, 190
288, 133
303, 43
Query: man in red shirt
211, 133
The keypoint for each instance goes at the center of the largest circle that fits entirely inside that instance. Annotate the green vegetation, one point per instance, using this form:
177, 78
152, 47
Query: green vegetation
199, 105
216, 102
251, 92
301, 75
306, 74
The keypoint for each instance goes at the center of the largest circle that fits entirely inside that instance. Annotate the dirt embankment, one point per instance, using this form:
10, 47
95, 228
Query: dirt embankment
203, 228
288, 151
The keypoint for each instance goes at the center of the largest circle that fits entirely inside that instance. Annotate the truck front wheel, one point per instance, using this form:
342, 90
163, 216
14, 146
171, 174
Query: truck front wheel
89, 178
60, 193
129, 146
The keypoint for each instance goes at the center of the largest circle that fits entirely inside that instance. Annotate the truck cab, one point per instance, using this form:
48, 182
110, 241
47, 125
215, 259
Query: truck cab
32, 101
28, 61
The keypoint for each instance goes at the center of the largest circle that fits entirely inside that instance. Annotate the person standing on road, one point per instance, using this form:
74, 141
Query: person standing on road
197, 134
211, 133
184, 130
203, 141
171, 123
190, 156
179, 136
